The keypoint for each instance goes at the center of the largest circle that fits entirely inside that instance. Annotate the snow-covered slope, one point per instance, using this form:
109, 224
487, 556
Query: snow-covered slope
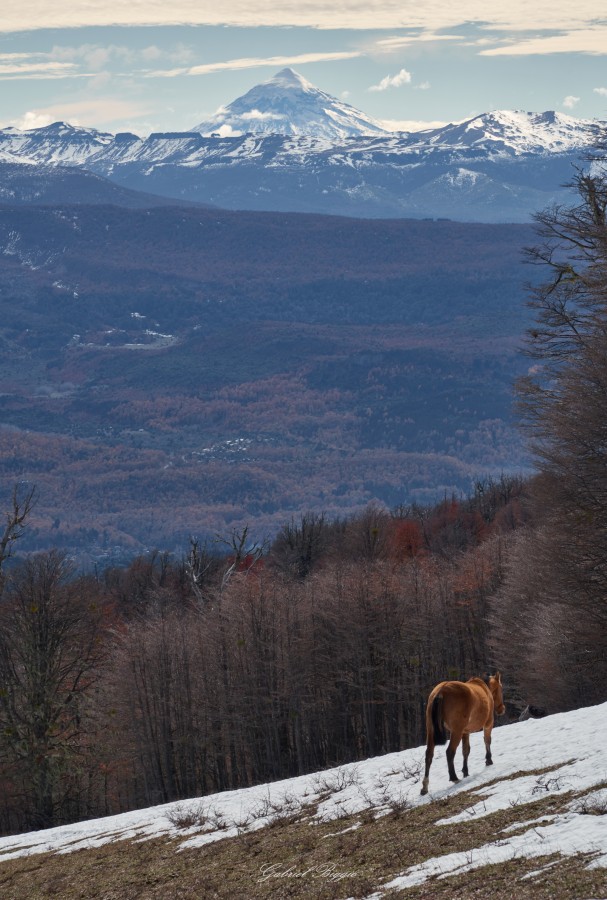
57, 144
517, 132
570, 750
288, 104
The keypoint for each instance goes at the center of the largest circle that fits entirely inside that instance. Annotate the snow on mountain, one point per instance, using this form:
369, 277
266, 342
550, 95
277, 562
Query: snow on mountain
515, 131
289, 104
287, 146
56, 144
310, 130
564, 756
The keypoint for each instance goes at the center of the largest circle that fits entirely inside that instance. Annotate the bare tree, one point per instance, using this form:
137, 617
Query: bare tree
558, 582
243, 553
201, 566
50, 649
22, 502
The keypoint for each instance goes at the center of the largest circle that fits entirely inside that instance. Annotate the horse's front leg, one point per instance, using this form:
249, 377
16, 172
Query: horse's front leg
466, 752
453, 745
487, 733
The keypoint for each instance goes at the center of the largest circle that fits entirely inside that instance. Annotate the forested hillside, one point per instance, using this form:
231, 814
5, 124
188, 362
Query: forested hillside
239, 664
169, 372
242, 662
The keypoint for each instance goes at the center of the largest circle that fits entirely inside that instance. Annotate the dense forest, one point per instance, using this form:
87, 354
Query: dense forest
244, 367
240, 662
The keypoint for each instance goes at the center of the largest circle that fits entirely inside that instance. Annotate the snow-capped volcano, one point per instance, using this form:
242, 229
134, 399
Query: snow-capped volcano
288, 104
286, 145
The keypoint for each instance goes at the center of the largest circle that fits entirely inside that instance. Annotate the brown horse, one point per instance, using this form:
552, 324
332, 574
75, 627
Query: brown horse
461, 708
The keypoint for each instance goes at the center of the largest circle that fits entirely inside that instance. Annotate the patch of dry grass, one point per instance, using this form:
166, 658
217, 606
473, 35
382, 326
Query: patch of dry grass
300, 857
541, 878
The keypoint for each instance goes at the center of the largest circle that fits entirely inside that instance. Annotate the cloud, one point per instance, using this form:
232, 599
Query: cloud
256, 115
517, 15
93, 61
15, 66
32, 119
392, 81
224, 131
411, 125
601, 90
570, 101
101, 56
409, 40
583, 40
254, 62
88, 113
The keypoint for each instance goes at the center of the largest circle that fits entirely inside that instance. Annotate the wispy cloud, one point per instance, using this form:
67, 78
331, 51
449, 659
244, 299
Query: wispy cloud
409, 40
24, 66
584, 40
84, 61
518, 15
102, 56
412, 124
256, 115
570, 101
393, 81
254, 62
601, 90
93, 112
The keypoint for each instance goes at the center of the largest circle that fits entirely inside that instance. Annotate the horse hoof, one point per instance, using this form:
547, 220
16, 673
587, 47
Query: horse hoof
424, 791
489, 762
454, 779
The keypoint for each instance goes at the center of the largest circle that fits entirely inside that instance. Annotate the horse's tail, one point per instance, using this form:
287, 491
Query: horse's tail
440, 734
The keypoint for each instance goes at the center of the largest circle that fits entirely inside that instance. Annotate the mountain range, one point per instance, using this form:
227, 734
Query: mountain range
287, 146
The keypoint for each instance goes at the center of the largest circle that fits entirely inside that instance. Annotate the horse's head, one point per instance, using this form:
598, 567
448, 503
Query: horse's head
495, 686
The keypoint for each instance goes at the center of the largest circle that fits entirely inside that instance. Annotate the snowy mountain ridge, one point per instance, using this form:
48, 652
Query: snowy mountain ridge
519, 132
509, 132
286, 146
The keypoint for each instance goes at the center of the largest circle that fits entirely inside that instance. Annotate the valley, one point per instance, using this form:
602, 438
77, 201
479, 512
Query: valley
241, 367
220, 328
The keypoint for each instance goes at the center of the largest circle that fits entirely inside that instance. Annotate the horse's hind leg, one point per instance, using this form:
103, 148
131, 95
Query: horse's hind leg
429, 758
487, 734
466, 752
453, 745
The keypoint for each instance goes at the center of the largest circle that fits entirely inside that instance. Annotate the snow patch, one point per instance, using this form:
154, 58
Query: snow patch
571, 748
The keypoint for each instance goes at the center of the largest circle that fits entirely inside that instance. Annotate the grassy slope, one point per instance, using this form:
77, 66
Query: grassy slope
348, 832
300, 857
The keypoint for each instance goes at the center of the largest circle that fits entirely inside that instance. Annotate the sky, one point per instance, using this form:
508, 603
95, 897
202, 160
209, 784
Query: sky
146, 65
569, 748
